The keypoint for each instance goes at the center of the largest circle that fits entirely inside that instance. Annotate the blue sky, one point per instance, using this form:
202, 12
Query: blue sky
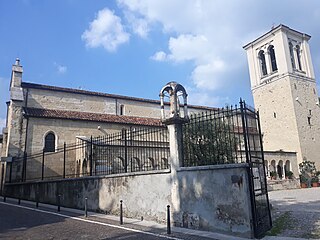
134, 47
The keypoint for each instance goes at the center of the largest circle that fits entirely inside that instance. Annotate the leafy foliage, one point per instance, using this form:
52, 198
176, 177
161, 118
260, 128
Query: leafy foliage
307, 167
209, 142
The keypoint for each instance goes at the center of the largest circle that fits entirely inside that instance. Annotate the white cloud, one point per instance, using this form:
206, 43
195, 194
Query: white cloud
208, 76
198, 34
138, 25
62, 69
159, 56
205, 98
210, 34
106, 31
188, 47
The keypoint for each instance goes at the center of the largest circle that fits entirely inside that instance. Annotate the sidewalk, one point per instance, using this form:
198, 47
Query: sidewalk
142, 225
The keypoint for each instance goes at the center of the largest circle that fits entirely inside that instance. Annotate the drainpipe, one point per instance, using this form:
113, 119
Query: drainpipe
24, 167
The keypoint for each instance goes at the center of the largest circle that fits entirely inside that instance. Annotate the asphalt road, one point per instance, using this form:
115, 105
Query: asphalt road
23, 222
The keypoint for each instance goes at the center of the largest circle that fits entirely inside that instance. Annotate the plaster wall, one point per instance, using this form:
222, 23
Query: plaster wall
215, 199
210, 198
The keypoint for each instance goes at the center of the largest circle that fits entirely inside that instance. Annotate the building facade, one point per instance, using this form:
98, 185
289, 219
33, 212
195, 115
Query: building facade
284, 89
43, 118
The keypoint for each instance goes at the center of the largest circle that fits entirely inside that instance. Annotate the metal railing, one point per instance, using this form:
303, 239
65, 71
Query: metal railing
131, 150
219, 136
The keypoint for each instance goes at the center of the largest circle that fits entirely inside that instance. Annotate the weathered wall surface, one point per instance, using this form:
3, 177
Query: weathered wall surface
39, 98
66, 131
215, 198
142, 195
211, 198
306, 106
275, 116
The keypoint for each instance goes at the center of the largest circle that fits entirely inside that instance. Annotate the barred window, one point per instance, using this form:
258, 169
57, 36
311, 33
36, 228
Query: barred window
49, 142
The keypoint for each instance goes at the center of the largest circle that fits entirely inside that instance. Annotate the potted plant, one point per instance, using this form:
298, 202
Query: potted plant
289, 174
273, 175
315, 182
307, 167
303, 181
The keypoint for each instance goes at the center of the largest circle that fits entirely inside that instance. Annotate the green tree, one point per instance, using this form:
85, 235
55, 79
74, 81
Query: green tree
209, 140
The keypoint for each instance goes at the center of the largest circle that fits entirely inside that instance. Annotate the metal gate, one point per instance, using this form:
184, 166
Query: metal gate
257, 175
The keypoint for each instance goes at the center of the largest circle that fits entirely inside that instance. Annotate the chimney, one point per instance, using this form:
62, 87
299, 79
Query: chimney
16, 75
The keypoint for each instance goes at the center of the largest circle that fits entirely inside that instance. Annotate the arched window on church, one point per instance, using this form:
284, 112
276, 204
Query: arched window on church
273, 58
298, 57
49, 142
263, 65
292, 56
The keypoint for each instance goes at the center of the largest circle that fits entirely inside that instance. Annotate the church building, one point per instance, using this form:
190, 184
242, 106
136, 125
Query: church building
42, 118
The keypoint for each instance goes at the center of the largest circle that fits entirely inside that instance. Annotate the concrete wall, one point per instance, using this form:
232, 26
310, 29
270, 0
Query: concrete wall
214, 198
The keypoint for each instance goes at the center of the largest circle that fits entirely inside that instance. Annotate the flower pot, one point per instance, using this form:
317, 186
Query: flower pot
315, 184
303, 185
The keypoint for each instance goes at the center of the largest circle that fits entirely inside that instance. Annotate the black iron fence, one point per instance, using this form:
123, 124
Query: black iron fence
130, 150
231, 135
219, 136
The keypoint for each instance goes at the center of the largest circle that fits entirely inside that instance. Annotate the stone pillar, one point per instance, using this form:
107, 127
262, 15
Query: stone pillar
268, 62
174, 123
176, 160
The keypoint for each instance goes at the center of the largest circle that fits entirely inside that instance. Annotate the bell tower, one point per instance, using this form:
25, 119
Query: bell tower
285, 93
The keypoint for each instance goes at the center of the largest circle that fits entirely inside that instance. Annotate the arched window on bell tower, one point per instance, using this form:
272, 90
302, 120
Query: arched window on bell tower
292, 56
273, 60
263, 65
298, 57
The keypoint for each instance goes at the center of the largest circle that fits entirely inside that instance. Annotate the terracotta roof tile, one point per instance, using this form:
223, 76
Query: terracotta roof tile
87, 116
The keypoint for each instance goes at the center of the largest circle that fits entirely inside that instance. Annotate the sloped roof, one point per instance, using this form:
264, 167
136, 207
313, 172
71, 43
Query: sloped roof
87, 116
